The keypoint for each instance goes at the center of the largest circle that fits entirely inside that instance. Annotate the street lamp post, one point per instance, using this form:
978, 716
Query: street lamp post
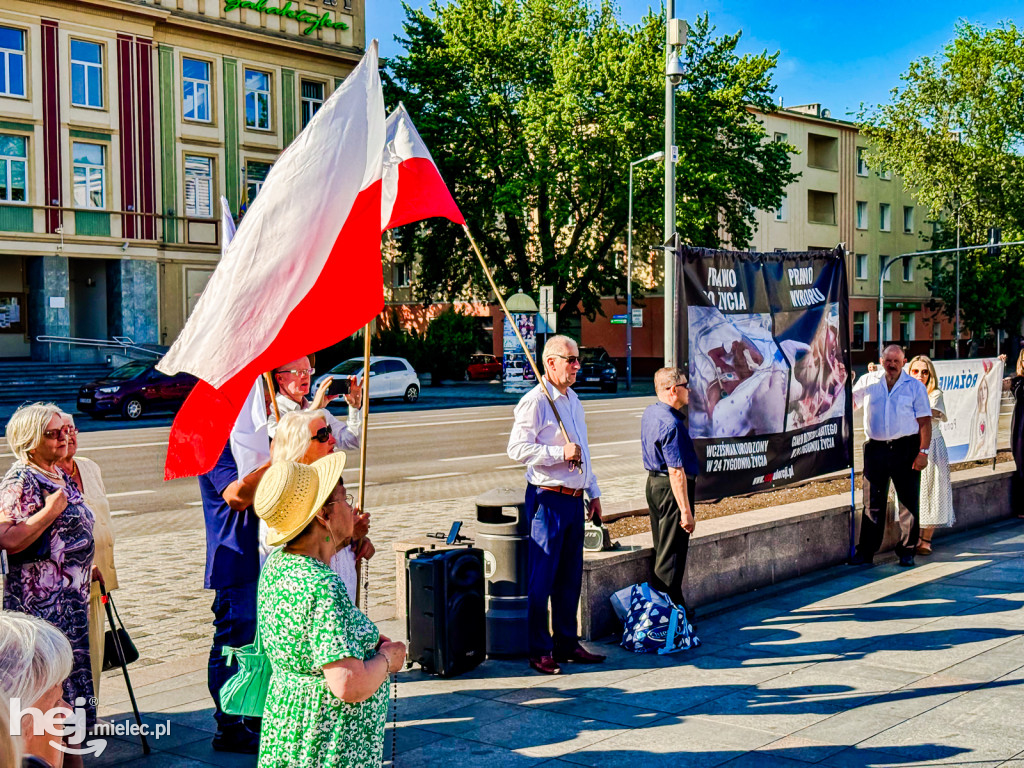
629, 271
675, 36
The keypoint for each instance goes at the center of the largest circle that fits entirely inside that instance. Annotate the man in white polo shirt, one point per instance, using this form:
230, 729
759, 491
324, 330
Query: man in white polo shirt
898, 427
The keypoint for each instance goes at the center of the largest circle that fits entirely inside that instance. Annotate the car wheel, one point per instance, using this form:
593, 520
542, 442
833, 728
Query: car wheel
132, 409
412, 394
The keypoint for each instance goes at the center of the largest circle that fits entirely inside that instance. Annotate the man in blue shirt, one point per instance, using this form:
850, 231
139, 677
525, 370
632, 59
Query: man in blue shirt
672, 468
232, 570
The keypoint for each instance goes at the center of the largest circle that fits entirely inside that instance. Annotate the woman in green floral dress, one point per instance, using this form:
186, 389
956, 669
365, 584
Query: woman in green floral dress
328, 698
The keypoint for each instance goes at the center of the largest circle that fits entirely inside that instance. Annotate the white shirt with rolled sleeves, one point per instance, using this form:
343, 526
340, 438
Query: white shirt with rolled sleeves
536, 440
347, 435
891, 413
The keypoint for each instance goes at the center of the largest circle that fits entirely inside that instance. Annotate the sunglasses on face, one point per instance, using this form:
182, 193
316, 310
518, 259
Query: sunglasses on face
53, 434
570, 359
299, 371
322, 435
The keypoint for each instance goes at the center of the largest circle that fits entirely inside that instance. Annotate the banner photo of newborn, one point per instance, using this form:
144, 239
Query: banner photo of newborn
767, 347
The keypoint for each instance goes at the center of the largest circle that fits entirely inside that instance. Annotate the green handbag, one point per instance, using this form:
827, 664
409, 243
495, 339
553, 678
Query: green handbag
245, 693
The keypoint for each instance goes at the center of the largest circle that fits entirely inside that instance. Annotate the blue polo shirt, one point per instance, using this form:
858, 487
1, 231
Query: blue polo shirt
665, 440
232, 537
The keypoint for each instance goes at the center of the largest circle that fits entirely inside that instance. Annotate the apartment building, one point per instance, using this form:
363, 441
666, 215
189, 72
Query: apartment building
840, 199
122, 122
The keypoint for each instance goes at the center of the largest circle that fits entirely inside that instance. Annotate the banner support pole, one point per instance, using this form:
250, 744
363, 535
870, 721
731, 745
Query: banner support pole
362, 589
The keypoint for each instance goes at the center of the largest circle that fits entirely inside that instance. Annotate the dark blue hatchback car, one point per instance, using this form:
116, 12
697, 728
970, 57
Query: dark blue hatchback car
134, 389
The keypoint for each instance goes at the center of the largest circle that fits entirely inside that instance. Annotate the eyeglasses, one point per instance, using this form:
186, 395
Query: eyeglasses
570, 359
349, 499
299, 371
683, 384
322, 435
53, 434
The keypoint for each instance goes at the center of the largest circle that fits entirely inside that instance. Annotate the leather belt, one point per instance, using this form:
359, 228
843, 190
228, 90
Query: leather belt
574, 492
656, 473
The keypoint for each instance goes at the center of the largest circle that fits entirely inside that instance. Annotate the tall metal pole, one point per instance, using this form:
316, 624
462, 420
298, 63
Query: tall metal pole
629, 287
670, 195
958, 284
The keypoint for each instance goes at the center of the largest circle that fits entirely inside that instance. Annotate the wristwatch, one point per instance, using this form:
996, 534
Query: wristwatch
924, 451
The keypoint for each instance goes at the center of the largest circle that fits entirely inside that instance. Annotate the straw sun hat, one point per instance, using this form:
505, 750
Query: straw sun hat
290, 494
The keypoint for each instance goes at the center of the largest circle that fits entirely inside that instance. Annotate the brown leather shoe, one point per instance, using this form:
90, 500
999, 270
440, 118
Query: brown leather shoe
579, 655
546, 665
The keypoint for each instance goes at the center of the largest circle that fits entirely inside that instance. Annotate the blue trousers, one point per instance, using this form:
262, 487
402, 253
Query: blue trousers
234, 625
555, 562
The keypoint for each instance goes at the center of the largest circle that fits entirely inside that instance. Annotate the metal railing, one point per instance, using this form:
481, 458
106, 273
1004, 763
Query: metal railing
124, 343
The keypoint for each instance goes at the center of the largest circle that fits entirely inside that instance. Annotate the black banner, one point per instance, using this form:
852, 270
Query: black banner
766, 340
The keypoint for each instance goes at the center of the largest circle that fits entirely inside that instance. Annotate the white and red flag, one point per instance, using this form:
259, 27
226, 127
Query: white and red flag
302, 272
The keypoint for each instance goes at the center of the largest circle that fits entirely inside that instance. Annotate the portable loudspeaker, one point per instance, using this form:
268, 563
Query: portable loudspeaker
446, 622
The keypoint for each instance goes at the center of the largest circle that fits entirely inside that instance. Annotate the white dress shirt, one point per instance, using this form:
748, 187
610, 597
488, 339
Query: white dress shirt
347, 435
536, 440
891, 413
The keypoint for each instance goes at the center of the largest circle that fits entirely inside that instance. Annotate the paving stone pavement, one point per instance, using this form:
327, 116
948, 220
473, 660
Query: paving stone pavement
877, 666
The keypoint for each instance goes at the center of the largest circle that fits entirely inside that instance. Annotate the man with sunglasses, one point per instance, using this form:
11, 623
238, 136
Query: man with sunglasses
672, 468
292, 382
558, 474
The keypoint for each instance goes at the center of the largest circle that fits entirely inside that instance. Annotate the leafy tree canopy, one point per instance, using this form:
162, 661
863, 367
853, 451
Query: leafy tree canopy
533, 110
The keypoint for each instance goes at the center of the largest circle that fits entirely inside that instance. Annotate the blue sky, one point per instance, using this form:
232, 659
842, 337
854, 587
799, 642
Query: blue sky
837, 53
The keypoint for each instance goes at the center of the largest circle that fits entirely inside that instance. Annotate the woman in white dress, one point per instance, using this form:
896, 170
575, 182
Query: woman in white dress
936, 491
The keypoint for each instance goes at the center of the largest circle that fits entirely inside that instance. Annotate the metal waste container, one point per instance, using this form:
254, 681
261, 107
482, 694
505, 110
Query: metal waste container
503, 533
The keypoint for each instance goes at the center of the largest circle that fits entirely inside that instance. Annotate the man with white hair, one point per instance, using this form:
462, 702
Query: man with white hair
558, 473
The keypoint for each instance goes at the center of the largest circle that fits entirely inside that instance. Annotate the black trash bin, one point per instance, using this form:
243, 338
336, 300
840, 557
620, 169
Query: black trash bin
503, 533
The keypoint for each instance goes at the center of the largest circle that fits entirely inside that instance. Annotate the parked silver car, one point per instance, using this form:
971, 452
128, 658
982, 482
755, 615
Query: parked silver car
389, 377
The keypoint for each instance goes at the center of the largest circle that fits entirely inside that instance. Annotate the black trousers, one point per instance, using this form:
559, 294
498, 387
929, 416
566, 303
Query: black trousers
671, 542
885, 462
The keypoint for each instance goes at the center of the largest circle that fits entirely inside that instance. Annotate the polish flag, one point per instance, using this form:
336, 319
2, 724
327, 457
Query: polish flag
302, 272
413, 188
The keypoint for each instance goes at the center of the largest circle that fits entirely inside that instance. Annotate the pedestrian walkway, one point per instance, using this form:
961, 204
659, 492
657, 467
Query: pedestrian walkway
878, 666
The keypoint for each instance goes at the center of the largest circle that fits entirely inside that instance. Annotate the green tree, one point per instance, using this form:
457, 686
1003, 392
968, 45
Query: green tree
450, 339
954, 131
533, 110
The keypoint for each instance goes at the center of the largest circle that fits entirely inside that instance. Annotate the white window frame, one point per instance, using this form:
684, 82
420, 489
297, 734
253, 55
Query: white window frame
403, 275
862, 164
908, 270
861, 266
781, 138
908, 219
258, 184
198, 86
197, 179
887, 277
887, 322
92, 173
84, 67
885, 217
907, 321
862, 319
13, 53
259, 95
862, 214
782, 212
313, 104
7, 163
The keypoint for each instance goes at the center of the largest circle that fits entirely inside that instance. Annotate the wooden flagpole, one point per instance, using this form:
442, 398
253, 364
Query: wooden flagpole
269, 378
515, 329
360, 588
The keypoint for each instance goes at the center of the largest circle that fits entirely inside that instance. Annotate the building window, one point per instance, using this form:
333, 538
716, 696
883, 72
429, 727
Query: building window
312, 100
255, 175
823, 151
862, 266
884, 217
781, 138
862, 164
13, 169
821, 207
86, 74
89, 175
860, 329
908, 270
782, 212
257, 99
862, 214
888, 326
198, 187
906, 326
195, 84
888, 270
12, 62
403, 275
908, 219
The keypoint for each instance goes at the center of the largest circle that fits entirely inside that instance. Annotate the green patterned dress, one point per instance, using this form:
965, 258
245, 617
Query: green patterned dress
307, 621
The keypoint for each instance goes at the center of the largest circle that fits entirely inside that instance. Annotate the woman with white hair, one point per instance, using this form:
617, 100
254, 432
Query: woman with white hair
35, 660
47, 529
85, 474
305, 436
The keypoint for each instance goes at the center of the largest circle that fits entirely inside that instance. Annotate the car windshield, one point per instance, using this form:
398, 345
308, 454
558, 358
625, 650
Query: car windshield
126, 372
348, 368
592, 355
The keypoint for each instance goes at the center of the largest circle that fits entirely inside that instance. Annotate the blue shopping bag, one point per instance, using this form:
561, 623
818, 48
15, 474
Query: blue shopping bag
654, 624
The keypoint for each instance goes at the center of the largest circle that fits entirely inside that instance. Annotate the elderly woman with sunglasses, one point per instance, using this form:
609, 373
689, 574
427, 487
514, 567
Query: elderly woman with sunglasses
47, 530
328, 698
291, 384
304, 436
